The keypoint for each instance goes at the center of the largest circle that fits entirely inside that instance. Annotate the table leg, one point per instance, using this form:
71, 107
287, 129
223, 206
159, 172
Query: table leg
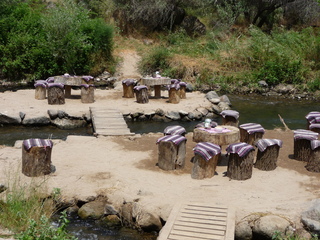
157, 91
67, 91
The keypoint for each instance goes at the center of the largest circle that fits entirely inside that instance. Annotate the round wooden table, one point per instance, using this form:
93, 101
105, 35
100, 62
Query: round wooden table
156, 82
220, 135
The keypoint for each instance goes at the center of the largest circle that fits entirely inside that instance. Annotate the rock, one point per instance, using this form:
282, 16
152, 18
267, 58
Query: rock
243, 231
112, 221
212, 95
66, 123
173, 115
224, 106
145, 220
193, 26
202, 110
160, 112
36, 120
263, 84
311, 217
53, 114
6, 118
266, 226
72, 210
110, 210
126, 214
22, 115
62, 114
224, 98
189, 87
93, 210
183, 113
283, 88
2, 187
216, 109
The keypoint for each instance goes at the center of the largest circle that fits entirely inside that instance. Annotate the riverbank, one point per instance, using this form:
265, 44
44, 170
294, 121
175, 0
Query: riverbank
124, 168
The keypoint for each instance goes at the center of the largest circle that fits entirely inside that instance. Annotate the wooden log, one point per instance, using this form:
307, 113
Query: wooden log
174, 96
250, 138
67, 91
220, 139
128, 90
267, 159
240, 168
36, 161
313, 164
231, 121
40, 93
182, 92
56, 96
142, 95
171, 156
202, 168
302, 149
87, 94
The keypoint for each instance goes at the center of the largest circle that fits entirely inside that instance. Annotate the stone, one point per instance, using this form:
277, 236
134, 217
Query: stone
147, 221
310, 218
173, 115
3, 187
212, 95
112, 221
6, 118
66, 123
202, 110
36, 120
263, 84
110, 210
266, 226
224, 98
93, 210
243, 231
224, 106
53, 114
189, 87
160, 112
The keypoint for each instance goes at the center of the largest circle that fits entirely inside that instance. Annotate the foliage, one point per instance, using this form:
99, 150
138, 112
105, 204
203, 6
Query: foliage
279, 236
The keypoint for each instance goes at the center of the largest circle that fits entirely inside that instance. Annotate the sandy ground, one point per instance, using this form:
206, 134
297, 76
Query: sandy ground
124, 168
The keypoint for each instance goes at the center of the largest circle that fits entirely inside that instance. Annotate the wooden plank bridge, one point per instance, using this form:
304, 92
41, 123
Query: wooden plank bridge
199, 221
108, 122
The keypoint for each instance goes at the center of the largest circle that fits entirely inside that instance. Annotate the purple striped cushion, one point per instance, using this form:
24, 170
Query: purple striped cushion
314, 125
231, 113
262, 144
207, 150
87, 78
252, 127
305, 134
129, 82
315, 144
313, 117
212, 124
182, 84
140, 87
175, 81
50, 80
41, 83
37, 142
242, 149
175, 86
59, 85
176, 139
174, 130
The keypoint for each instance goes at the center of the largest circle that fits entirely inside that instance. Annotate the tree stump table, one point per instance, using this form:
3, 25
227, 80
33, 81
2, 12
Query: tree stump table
251, 132
312, 117
141, 94
156, 82
171, 152
220, 135
127, 86
240, 163
56, 94
40, 89
205, 160
174, 130
36, 157
182, 90
174, 96
314, 127
230, 117
302, 144
87, 93
313, 164
268, 152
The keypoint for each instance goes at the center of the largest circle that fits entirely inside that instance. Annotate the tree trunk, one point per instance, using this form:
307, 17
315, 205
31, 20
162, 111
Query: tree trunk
240, 168
174, 96
171, 156
142, 95
87, 94
220, 139
55, 96
40, 93
267, 160
231, 121
128, 90
37, 161
302, 150
250, 138
202, 168
314, 163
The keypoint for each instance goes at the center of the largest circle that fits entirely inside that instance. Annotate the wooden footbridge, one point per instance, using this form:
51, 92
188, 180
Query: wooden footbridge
199, 221
108, 122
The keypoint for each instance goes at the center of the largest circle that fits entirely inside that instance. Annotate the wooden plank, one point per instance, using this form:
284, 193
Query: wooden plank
202, 221
199, 230
178, 237
194, 234
203, 217
201, 225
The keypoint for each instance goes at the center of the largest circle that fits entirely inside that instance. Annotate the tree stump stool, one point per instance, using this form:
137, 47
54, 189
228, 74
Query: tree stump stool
56, 94
128, 85
268, 152
141, 94
312, 117
87, 93
182, 90
87, 80
251, 132
41, 89
313, 164
171, 152
174, 130
240, 163
315, 127
174, 93
36, 157
205, 160
302, 144
230, 117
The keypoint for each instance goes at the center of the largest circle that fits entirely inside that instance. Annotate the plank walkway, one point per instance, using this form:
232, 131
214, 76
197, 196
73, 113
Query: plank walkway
199, 221
108, 122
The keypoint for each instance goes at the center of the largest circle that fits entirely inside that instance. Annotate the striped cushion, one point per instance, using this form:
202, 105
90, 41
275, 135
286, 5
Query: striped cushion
305, 134
36, 142
252, 127
313, 117
176, 139
314, 125
129, 81
174, 130
262, 144
230, 113
87, 78
140, 87
315, 144
59, 85
242, 149
207, 150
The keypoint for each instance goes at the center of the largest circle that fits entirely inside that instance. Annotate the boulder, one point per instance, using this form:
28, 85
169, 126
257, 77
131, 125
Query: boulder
36, 119
243, 231
173, 115
147, 221
93, 210
7, 118
65, 123
310, 218
193, 26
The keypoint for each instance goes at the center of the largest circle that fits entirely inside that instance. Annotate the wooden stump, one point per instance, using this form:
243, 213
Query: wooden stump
231, 121
220, 139
314, 162
40, 93
171, 156
128, 90
240, 168
250, 138
142, 95
202, 168
174, 96
87, 94
55, 96
315, 127
267, 160
182, 92
36, 161
302, 149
